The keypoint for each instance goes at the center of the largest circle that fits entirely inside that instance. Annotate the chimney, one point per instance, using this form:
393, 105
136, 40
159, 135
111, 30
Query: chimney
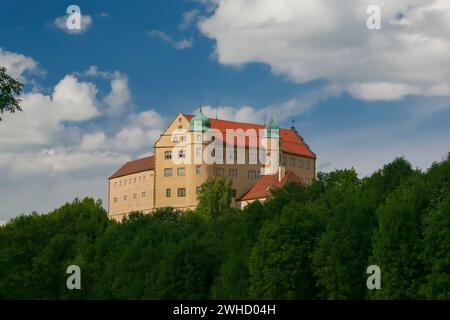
281, 173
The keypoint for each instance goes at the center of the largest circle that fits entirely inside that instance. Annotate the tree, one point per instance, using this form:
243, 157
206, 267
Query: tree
340, 260
436, 242
10, 88
280, 265
398, 242
214, 198
436, 253
239, 237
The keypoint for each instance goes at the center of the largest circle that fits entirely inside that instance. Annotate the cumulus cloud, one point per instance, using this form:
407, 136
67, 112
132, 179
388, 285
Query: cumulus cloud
86, 21
41, 122
280, 112
93, 141
54, 151
17, 64
138, 133
54, 161
179, 45
318, 39
119, 96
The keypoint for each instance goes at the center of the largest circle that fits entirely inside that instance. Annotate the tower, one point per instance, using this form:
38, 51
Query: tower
271, 141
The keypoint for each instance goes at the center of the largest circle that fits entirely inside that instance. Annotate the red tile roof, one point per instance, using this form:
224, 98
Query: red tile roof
291, 141
135, 166
262, 188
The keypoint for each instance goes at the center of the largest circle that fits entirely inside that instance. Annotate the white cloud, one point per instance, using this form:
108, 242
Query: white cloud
41, 122
280, 112
93, 141
381, 91
75, 100
119, 95
320, 39
179, 45
86, 21
440, 89
16, 64
189, 18
56, 161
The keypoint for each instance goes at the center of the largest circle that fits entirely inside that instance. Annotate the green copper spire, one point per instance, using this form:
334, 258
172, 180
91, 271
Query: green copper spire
272, 130
200, 122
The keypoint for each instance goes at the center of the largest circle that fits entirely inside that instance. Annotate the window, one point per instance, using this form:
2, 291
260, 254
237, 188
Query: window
181, 172
125, 197
233, 193
120, 183
258, 174
219, 172
284, 160
167, 155
182, 138
232, 173
115, 199
180, 127
292, 162
198, 152
181, 154
252, 157
139, 178
125, 182
134, 195
168, 172
135, 180
300, 163
198, 169
307, 164
143, 194
115, 183
232, 155
197, 191
182, 192
168, 193
252, 174
199, 137
180, 119
143, 178
175, 138
129, 181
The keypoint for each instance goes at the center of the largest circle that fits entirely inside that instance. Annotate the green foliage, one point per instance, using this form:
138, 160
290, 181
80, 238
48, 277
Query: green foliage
341, 257
280, 266
214, 198
312, 242
10, 88
397, 243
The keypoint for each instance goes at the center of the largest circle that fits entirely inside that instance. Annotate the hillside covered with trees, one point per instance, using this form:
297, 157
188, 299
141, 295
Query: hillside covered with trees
304, 243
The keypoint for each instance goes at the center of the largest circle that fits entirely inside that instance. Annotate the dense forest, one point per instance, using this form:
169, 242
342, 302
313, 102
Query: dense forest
311, 242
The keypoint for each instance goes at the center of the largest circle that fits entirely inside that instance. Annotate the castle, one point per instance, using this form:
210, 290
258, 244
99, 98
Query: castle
194, 149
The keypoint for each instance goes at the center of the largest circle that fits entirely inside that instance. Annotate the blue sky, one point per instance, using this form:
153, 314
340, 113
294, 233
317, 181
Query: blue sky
359, 97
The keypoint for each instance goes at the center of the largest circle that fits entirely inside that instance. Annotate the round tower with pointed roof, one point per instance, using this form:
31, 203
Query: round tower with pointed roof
272, 130
272, 143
